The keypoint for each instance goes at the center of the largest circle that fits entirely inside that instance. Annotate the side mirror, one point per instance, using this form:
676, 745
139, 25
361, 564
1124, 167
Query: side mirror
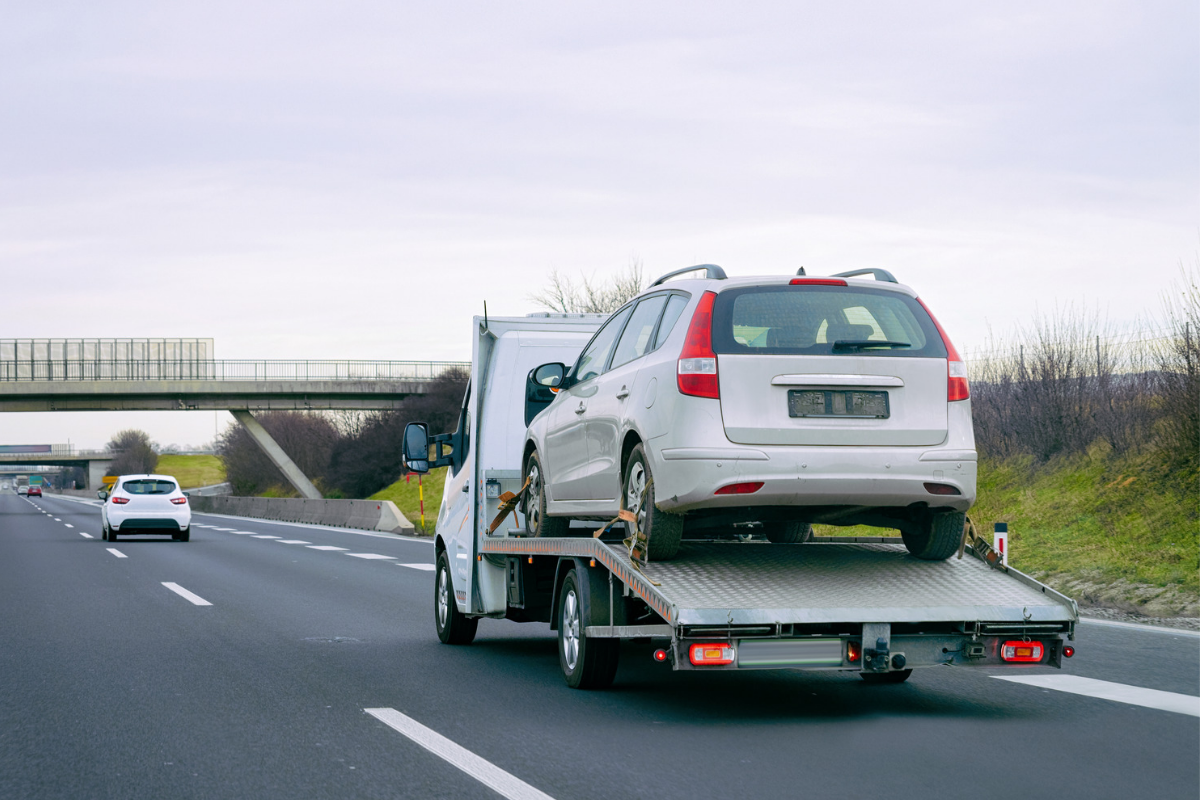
416, 447
541, 384
550, 375
103, 495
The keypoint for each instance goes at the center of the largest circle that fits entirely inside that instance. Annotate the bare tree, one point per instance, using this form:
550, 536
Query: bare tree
133, 453
1178, 373
591, 296
307, 438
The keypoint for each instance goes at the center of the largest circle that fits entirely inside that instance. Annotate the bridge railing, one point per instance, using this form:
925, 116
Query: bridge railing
225, 370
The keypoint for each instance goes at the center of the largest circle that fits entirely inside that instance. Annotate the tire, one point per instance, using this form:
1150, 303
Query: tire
899, 676
663, 529
537, 522
586, 663
935, 536
182, 536
112, 535
788, 532
103, 532
452, 626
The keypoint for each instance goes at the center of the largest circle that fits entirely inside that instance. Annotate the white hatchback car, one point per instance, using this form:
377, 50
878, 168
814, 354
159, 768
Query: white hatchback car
767, 401
145, 504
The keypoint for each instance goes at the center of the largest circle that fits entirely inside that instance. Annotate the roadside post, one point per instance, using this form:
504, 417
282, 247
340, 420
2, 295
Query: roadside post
1000, 541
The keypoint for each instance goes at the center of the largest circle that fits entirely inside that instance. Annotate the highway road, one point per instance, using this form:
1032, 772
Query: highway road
243, 664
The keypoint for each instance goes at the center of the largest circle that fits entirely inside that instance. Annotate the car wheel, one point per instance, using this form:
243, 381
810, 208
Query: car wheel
586, 663
663, 530
452, 626
899, 676
112, 535
536, 520
788, 532
183, 536
935, 536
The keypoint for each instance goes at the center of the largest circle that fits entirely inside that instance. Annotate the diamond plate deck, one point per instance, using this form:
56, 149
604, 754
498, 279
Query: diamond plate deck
750, 583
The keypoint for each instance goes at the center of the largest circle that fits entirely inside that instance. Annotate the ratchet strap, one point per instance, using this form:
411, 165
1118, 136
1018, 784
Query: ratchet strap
508, 502
982, 550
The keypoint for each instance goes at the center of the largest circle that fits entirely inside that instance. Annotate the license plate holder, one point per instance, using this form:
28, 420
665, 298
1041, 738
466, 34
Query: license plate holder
840, 403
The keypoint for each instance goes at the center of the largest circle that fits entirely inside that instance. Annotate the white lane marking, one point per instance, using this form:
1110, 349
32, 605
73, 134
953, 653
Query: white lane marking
331, 528
503, 783
370, 556
291, 541
1119, 692
186, 595
116, 552
56, 519
86, 535
425, 567
222, 529
264, 536
325, 547
241, 533
68, 525
1137, 626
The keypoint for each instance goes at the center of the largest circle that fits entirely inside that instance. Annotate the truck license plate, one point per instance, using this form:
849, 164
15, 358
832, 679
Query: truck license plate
826, 403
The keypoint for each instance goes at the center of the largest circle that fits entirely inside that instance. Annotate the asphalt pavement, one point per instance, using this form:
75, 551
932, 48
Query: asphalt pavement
243, 664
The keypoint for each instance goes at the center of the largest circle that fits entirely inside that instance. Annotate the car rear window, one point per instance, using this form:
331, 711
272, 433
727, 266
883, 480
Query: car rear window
823, 320
145, 486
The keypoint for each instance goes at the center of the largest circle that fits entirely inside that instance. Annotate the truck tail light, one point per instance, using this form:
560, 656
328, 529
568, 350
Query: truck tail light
1022, 651
853, 652
957, 387
1068, 651
120, 500
740, 488
696, 373
714, 654
179, 501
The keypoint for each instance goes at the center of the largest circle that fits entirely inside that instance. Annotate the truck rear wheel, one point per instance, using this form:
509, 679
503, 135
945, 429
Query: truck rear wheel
452, 626
586, 663
935, 536
663, 529
536, 521
788, 532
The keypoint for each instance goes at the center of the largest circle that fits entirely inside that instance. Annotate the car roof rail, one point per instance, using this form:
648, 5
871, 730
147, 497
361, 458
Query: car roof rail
711, 271
880, 274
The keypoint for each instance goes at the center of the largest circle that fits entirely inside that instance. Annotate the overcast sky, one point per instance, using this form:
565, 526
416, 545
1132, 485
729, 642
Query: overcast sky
353, 180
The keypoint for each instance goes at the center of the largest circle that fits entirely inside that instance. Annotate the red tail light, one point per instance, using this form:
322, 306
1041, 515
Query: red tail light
740, 488
120, 500
179, 501
853, 652
957, 387
1068, 651
941, 488
1022, 651
714, 654
697, 370
817, 282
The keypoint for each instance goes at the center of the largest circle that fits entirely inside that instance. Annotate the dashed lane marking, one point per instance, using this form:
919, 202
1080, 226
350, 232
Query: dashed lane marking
194, 599
116, 552
423, 567
241, 533
222, 529
1118, 692
370, 556
69, 525
264, 536
56, 519
86, 535
291, 541
325, 547
503, 783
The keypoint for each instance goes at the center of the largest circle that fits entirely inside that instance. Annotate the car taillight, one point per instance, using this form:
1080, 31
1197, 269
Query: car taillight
120, 500
697, 370
740, 488
179, 501
957, 387
1022, 651
817, 282
711, 655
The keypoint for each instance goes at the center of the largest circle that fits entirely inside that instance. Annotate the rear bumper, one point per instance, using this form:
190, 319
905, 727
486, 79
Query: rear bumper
687, 478
157, 523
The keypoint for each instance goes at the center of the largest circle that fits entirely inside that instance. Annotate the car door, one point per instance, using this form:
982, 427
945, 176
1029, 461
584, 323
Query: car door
608, 410
567, 457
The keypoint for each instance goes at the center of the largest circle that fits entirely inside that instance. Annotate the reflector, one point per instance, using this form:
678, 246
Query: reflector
740, 488
711, 654
660, 655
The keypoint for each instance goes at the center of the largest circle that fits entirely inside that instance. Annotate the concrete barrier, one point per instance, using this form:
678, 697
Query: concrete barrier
370, 515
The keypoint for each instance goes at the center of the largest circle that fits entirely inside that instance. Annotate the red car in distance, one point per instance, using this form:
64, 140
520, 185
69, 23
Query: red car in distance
35, 490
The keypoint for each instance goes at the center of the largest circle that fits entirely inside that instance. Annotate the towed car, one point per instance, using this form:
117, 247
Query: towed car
145, 504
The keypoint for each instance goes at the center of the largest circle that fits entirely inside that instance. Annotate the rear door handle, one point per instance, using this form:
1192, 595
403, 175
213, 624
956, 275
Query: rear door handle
621, 395
582, 408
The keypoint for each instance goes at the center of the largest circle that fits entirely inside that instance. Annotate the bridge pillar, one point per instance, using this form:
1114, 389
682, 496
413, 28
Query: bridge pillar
274, 452
96, 469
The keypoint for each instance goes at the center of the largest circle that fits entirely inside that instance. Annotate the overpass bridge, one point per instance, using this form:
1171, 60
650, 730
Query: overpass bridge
182, 375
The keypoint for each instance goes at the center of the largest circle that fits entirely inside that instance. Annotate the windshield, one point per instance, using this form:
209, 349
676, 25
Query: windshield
823, 320
146, 486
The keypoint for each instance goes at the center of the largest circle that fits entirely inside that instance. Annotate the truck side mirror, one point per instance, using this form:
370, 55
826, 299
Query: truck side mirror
541, 384
103, 495
416, 447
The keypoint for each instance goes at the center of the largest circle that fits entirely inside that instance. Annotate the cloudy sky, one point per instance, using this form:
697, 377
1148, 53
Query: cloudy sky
355, 179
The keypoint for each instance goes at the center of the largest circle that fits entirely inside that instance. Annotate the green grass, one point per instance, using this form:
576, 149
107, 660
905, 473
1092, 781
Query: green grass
192, 471
404, 494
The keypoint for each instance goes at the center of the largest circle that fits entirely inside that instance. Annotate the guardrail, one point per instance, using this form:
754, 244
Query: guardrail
225, 370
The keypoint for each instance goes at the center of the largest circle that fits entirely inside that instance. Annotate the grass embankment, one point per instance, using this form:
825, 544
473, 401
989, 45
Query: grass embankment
404, 494
192, 471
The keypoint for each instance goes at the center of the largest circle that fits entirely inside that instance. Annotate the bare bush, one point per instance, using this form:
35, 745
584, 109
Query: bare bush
590, 296
133, 453
307, 438
1177, 377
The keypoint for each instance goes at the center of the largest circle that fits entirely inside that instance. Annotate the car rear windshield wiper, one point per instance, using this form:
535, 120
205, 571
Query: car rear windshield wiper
860, 344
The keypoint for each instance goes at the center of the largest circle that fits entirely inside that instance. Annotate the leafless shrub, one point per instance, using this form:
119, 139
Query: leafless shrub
1177, 377
307, 438
590, 296
133, 453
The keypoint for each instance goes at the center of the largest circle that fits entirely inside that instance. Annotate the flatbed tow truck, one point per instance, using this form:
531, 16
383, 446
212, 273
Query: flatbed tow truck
854, 604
